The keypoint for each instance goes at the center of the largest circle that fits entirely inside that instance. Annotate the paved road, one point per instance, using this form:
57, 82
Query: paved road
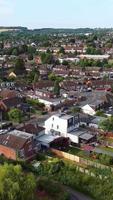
98, 150
77, 195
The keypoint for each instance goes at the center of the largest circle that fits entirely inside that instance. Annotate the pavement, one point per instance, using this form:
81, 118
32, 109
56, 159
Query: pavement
98, 150
74, 195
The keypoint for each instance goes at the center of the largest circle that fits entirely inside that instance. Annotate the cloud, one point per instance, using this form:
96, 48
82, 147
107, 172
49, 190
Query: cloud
6, 8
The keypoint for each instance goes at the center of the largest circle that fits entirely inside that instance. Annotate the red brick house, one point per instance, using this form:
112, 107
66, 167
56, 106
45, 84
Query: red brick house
17, 145
48, 85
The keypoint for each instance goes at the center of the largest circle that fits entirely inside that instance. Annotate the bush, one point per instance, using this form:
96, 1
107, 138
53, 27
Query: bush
105, 159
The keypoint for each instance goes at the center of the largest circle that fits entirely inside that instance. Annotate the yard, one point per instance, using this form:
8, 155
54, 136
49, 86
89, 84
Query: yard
74, 150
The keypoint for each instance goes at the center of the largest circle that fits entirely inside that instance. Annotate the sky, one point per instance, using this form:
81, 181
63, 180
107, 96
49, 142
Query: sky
56, 13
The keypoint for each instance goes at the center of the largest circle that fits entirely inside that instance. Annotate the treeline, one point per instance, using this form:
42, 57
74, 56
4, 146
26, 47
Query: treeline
13, 27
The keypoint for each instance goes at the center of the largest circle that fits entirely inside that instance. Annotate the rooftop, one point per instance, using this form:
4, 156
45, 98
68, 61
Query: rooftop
20, 134
64, 116
77, 132
86, 136
47, 138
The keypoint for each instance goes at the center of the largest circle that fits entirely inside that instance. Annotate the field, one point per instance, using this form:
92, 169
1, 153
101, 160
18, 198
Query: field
6, 30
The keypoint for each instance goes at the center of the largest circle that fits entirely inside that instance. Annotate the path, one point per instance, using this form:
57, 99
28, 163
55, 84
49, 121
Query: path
77, 195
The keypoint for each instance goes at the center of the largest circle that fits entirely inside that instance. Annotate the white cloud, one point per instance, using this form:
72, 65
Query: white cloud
6, 8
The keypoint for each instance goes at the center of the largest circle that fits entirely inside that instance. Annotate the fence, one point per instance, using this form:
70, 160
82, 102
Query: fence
80, 160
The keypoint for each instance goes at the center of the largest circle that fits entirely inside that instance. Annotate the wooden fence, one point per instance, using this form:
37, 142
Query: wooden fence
80, 160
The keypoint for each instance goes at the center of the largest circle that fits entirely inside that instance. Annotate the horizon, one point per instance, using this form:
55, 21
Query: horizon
19, 26
58, 14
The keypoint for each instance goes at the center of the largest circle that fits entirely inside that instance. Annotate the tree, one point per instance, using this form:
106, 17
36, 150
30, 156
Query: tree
62, 50
52, 77
65, 62
15, 185
100, 113
56, 88
107, 124
36, 78
31, 50
15, 115
31, 74
47, 58
76, 110
19, 66
15, 52
23, 49
30, 56
93, 51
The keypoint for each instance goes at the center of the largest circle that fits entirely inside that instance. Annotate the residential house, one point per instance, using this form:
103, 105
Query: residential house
17, 145
89, 109
32, 128
44, 84
44, 94
64, 125
69, 85
94, 57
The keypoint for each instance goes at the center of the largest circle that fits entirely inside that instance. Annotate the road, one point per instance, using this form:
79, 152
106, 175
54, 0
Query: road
74, 195
98, 150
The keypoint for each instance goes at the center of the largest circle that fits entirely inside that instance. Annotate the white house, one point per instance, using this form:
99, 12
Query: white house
62, 125
66, 126
87, 109
95, 57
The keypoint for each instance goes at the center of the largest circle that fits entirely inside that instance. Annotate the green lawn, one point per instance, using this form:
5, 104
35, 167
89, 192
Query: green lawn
74, 150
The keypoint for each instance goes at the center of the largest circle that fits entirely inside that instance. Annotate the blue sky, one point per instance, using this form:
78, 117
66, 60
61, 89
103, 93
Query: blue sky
56, 13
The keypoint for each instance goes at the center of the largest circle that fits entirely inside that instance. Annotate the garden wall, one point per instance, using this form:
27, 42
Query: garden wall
80, 160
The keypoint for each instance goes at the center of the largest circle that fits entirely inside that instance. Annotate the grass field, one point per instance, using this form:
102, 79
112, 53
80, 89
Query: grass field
74, 150
6, 30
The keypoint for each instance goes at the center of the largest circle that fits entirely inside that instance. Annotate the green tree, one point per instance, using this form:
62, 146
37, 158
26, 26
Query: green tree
36, 77
15, 115
76, 110
65, 62
47, 58
31, 74
107, 124
56, 88
15, 185
100, 113
15, 52
62, 50
30, 56
31, 50
19, 66
52, 77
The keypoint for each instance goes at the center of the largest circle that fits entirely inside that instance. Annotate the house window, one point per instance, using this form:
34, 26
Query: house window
53, 118
52, 125
57, 127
